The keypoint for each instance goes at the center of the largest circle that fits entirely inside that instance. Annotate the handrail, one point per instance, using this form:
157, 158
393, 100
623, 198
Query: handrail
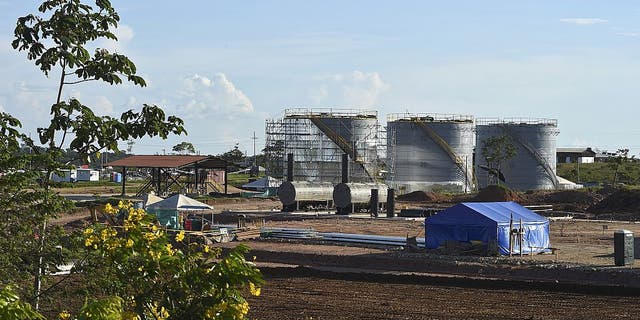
437, 139
536, 155
341, 142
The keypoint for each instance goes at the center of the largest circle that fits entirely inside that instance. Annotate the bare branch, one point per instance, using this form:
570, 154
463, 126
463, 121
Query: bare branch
79, 81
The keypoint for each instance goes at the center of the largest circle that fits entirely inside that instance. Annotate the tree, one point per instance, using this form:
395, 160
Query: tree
162, 276
56, 39
234, 155
618, 163
138, 271
184, 147
496, 150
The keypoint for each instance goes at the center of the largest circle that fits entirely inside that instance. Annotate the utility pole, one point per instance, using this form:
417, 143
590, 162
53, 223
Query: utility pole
254, 148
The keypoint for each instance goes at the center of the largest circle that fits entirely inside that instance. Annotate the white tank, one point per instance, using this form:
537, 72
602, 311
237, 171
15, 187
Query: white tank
294, 192
347, 194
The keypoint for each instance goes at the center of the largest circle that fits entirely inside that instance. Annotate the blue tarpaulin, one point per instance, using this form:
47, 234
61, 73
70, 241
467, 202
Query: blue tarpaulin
488, 222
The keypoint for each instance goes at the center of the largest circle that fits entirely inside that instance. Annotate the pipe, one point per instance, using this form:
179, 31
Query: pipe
345, 168
373, 206
391, 203
289, 167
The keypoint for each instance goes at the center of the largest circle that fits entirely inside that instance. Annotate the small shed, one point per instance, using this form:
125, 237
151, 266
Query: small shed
489, 222
168, 210
87, 175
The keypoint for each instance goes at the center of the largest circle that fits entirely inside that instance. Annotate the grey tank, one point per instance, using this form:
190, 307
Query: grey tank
534, 165
425, 151
318, 140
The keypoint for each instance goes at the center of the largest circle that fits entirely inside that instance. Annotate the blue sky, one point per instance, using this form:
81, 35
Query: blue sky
226, 66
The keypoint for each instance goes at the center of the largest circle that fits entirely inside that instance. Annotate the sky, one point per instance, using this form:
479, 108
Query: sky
227, 66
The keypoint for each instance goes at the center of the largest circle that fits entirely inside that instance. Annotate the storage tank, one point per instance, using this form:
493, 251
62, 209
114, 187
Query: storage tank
297, 195
317, 138
351, 196
425, 151
534, 165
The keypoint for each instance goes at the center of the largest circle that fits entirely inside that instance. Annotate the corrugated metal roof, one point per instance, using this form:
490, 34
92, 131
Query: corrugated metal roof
169, 161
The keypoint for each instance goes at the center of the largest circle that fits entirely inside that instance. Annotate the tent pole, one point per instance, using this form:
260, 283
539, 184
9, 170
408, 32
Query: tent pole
520, 238
510, 234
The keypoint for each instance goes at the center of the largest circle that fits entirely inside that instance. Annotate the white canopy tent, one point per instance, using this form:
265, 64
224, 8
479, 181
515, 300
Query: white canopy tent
168, 210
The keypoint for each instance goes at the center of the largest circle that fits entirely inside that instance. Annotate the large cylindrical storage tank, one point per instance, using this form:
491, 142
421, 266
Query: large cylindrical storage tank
428, 151
533, 167
353, 196
298, 195
318, 139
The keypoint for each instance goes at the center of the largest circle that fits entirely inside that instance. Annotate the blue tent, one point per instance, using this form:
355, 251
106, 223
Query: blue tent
488, 222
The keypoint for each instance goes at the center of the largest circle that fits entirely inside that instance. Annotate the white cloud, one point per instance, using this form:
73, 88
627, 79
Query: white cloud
102, 106
583, 21
124, 33
201, 95
354, 89
628, 34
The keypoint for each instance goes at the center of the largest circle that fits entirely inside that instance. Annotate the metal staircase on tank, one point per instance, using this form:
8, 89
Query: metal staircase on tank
536, 155
437, 139
343, 144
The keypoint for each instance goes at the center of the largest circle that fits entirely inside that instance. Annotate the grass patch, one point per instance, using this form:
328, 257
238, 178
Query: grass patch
600, 172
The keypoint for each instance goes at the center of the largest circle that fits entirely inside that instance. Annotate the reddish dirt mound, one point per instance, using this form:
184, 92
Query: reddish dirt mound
620, 201
573, 196
497, 193
420, 196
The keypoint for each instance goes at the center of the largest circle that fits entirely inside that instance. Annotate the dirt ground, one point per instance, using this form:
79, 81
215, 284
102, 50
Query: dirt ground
285, 297
290, 293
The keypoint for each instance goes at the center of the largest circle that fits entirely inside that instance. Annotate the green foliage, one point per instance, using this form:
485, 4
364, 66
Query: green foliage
139, 272
24, 204
58, 38
617, 162
497, 150
166, 276
234, 155
601, 172
12, 308
184, 147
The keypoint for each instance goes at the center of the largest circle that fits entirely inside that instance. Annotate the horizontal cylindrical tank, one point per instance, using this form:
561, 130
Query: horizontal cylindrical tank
429, 150
298, 191
533, 167
348, 194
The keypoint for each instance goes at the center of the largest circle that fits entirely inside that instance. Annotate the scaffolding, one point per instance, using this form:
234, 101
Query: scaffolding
318, 138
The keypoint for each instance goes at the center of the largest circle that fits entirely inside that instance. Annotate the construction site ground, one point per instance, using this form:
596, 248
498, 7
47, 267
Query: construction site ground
312, 280
308, 279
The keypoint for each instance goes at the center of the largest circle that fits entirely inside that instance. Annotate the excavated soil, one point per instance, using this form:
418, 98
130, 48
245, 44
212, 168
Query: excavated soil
495, 194
622, 201
310, 297
422, 196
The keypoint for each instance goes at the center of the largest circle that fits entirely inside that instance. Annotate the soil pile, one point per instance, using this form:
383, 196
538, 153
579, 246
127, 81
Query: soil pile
421, 196
620, 201
497, 194
570, 200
